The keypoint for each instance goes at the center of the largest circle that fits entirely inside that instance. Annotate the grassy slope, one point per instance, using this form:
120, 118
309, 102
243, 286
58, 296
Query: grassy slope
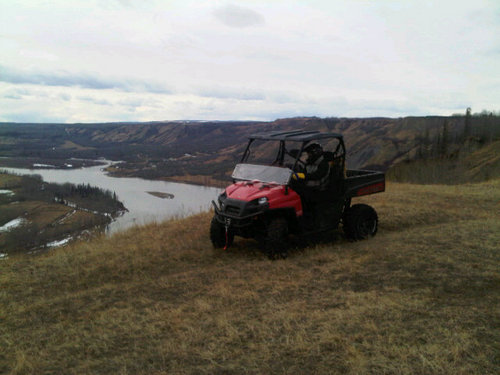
479, 165
485, 162
422, 297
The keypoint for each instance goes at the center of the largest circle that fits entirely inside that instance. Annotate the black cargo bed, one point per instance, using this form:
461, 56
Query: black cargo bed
362, 182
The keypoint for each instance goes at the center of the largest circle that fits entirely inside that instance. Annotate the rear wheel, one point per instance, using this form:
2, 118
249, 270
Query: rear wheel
218, 234
275, 240
360, 222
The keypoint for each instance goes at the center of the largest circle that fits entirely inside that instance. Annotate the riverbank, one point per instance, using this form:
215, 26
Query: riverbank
35, 214
45, 163
112, 169
199, 180
120, 171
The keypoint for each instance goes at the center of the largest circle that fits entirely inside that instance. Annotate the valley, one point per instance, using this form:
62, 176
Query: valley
176, 149
206, 152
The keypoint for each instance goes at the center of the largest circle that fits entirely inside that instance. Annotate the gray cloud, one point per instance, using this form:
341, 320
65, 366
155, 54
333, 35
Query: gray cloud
493, 52
19, 91
13, 96
22, 93
65, 97
230, 93
93, 100
81, 80
237, 16
131, 102
32, 116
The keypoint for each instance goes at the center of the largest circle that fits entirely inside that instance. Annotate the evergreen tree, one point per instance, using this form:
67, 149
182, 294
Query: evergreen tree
437, 149
467, 126
444, 146
426, 143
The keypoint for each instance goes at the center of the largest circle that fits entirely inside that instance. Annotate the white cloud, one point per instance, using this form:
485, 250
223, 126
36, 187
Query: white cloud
248, 59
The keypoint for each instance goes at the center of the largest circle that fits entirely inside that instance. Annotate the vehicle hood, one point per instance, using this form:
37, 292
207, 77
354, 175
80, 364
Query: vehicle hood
248, 191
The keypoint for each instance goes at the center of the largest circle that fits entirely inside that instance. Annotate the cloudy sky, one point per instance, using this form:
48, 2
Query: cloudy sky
146, 60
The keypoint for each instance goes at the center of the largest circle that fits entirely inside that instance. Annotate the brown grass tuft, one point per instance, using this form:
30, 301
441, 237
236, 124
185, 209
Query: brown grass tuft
422, 297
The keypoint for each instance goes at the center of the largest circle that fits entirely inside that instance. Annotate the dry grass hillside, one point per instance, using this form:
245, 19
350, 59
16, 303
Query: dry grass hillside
422, 297
477, 165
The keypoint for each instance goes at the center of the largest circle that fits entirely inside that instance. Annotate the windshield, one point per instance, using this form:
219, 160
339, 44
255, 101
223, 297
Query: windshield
262, 173
264, 152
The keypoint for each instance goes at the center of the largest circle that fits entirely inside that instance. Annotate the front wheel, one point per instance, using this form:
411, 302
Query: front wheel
275, 240
360, 222
218, 234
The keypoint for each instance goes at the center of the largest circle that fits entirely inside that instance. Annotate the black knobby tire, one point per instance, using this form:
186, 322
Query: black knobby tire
218, 234
360, 222
275, 240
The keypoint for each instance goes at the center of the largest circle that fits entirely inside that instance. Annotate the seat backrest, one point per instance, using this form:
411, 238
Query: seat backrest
336, 170
329, 156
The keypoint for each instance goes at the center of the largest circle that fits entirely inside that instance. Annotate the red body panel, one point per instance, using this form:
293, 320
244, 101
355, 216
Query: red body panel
277, 195
371, 189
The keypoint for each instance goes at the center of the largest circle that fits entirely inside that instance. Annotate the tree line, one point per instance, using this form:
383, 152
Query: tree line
82, 195
444, 154
476, 131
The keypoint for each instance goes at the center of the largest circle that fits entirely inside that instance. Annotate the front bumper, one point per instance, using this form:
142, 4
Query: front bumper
237, 213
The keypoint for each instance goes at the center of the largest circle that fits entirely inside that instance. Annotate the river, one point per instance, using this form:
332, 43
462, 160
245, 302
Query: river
142, 207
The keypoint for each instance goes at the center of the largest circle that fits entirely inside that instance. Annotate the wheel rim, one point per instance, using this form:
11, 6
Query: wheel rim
367, 227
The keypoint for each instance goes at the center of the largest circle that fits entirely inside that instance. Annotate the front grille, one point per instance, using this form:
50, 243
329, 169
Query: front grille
232, 210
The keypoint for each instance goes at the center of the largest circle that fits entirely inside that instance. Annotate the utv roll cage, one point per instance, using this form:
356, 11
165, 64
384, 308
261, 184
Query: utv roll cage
302, 136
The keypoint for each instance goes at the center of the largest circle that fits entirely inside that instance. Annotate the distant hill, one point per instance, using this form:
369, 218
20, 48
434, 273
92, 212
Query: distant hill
210, 149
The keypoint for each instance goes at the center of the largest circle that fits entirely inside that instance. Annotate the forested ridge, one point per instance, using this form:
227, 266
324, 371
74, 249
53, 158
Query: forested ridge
210, 149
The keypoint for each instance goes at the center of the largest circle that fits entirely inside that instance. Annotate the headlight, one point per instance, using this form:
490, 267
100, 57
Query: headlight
221, 200
262, 200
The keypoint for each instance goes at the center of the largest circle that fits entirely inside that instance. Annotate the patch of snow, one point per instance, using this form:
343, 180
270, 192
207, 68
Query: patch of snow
9, 192
59, 243
70, 204
12, 224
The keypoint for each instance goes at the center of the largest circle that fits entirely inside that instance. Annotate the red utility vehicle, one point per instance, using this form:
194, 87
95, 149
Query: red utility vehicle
269, 201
